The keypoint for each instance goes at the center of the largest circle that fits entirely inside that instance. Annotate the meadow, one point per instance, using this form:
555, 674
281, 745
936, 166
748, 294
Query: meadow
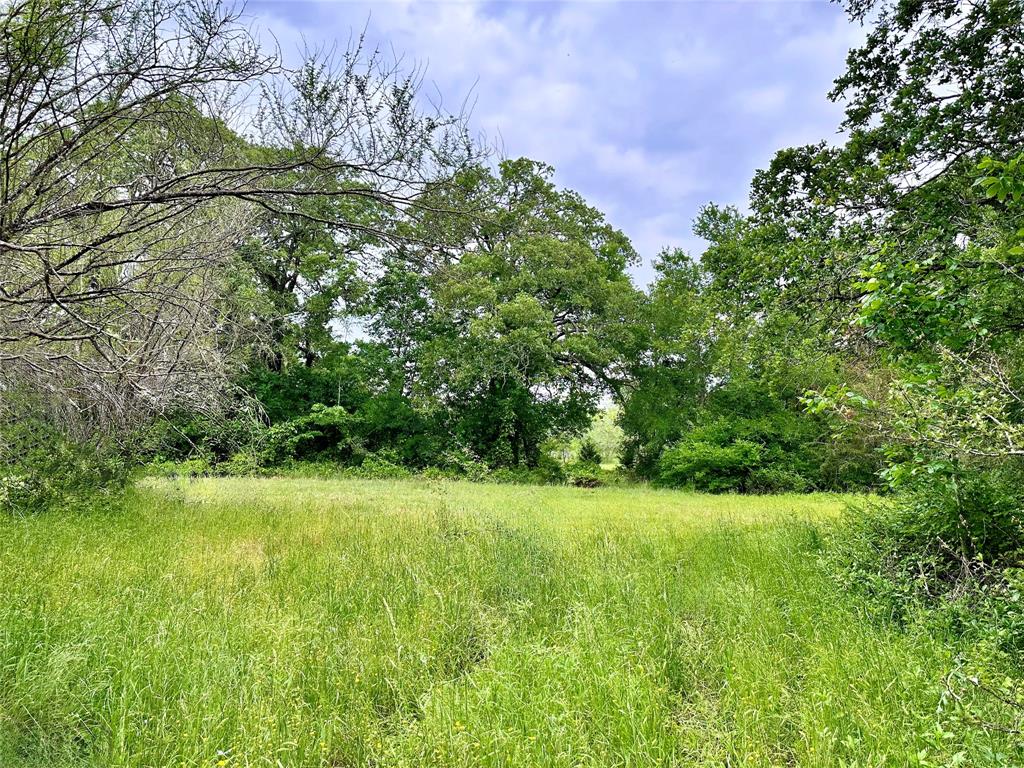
297, 622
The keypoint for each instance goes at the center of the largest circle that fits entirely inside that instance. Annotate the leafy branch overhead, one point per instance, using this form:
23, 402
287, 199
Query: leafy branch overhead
140, 142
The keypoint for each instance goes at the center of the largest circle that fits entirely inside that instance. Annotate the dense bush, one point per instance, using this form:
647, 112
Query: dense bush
294, 391
947, 551
384, 465
708, 467
777, 451
42, 469
776, 479
585, 474
940, 537
589, 453
325, 433
216, 437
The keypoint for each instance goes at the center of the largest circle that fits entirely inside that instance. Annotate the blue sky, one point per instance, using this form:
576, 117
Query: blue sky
648, 109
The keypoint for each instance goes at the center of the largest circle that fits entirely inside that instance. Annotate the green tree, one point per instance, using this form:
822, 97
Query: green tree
305, 271
901, 241
589, 453
517, 332
727, 370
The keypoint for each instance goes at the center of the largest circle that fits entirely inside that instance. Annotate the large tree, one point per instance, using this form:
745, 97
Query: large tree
518, 327
138, 141
903, 243
717, 400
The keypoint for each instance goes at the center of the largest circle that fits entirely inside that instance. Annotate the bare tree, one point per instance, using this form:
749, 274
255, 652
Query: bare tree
138, 140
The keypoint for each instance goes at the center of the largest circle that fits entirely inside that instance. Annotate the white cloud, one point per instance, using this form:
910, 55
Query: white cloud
649, 109
671, 176
694, 58
763, 101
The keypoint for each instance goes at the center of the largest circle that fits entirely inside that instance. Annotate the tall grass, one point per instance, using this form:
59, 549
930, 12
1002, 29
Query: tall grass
355, 623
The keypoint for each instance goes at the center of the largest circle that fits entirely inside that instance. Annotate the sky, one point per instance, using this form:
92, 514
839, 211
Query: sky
648, 109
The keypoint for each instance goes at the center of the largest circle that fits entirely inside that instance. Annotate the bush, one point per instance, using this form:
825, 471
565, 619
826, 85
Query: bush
326, 433
42, 469
218, 437
707, 467
436, 474
588, 453
549, 469
799, 447
923, 557
584, 475
241, 464
197, 466
938, 539
516, 476
776, 479
380, 466
462, 461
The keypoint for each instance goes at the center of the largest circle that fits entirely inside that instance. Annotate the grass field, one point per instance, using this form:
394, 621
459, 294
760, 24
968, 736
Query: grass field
360, 623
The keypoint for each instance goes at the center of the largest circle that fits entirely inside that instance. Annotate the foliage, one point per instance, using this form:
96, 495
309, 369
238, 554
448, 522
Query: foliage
304, 267
339, 380
707, 467
900, 251
517, 332
584, 474
326, 432
912, 565
126, 193
384, 465
42, 470
606, 434
724, 371
588, 453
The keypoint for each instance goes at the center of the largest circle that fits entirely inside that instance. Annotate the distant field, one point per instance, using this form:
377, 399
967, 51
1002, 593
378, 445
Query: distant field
357, 623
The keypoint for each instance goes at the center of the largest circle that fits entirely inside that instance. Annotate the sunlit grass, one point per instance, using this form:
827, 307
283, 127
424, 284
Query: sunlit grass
356, 623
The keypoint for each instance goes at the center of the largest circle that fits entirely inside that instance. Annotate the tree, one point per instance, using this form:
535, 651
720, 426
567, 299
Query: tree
902, 240
124, 189
668, 384
519, 329
718, 405
588, 453
306, 273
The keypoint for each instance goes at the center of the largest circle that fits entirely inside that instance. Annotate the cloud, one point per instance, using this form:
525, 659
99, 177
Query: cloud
650, 109
766, 100
695, 57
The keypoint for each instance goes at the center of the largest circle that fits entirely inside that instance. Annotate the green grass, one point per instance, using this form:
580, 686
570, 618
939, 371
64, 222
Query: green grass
357, 623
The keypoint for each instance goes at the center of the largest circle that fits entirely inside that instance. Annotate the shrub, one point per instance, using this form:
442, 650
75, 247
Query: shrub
241, 464
464, 462
41, 469
197, 466
549, 469
437, 474
383, 465
588, 453
515, 476
707, 467
326, 433
584, 475
216, 436
776, 479
917, 558
939, 538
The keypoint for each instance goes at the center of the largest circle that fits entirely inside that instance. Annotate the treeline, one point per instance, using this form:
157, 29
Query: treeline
486, 353
188, 226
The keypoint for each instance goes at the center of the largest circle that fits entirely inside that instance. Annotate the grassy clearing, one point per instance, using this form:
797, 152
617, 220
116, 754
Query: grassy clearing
356, 623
